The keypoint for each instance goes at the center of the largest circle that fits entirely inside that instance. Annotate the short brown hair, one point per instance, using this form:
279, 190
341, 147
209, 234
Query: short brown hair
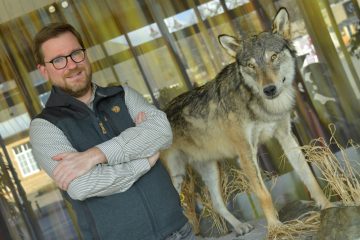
50, 31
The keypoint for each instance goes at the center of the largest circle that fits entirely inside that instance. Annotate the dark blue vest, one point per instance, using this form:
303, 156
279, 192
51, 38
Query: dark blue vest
150, 209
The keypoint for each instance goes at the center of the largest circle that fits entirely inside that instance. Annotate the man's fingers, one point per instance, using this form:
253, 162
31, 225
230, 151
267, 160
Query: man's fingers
72, 165
57, 171
62, 183
140, 117
60, 156
156, 155
60, 174
63, 178
58, 180
153, 159
57, 158
67, 180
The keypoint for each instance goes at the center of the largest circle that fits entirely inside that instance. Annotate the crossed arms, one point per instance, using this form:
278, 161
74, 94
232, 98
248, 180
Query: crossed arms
123, 159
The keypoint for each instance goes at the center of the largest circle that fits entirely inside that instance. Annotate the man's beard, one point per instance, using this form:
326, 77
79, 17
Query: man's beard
78, 92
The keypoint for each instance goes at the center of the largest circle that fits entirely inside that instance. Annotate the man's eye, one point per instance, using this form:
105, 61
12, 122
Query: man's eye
77, 53
58, 60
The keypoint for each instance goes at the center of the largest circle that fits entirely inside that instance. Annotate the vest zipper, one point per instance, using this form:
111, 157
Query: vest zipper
108, 123
102, 127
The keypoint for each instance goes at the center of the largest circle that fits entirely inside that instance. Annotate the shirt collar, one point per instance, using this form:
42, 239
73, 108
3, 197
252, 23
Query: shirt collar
60, 98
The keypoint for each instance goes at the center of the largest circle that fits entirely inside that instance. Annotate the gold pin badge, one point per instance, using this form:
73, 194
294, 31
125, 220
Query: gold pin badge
115, 109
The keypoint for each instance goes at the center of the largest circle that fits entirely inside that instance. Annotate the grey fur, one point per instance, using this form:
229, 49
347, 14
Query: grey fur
248, 102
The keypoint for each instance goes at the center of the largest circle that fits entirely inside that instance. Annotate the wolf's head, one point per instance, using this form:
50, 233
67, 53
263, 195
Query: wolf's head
265, 61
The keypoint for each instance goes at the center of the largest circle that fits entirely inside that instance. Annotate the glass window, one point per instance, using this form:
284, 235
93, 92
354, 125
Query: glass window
144, 34
231, 4
116, 45
25, 159
181, 20
210, 9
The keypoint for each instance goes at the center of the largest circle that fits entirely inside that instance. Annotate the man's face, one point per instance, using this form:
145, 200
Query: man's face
75, 78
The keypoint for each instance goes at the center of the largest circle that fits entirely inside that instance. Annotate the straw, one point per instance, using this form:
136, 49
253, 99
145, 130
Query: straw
340, 177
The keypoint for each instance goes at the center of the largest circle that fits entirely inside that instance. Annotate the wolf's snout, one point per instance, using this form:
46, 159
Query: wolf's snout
270, 91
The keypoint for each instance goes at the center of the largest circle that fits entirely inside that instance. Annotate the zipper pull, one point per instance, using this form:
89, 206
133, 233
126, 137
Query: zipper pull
103, 129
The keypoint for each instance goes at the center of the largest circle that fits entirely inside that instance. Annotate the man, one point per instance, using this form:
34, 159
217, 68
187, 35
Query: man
101, 146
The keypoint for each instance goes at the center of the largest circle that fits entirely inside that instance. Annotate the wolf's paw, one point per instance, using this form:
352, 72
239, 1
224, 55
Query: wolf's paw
275, 224
329, 205
243, 228
326, 205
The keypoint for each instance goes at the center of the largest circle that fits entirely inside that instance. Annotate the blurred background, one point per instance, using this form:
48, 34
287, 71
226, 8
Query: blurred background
163, 48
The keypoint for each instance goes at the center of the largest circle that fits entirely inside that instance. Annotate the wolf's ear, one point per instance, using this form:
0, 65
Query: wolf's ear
231, 44
281, 23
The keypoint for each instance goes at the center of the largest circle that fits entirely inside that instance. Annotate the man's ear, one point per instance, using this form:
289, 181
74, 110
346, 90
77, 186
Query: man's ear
43, 71
281, 23
229, 43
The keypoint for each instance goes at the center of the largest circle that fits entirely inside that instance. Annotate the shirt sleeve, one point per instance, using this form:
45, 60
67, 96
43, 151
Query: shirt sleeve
47, 140
145, 139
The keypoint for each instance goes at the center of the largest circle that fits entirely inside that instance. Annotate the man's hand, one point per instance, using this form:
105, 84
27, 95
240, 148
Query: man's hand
140, 117
74, 164
153, 159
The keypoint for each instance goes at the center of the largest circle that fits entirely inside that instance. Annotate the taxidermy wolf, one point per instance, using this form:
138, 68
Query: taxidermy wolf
248, 102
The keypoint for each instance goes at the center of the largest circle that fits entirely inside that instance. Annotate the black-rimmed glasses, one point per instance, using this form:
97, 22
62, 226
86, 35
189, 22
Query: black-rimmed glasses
60, 62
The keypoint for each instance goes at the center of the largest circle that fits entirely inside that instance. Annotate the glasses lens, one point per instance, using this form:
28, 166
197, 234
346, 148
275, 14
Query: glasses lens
59, 62
78, 55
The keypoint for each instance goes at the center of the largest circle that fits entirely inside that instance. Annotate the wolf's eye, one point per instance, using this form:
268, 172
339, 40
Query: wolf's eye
250, 65
274, 56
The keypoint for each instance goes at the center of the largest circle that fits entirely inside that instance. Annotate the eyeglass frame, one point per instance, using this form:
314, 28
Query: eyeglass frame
66, 58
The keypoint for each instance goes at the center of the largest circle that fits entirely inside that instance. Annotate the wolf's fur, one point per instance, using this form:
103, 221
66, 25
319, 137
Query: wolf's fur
249, 101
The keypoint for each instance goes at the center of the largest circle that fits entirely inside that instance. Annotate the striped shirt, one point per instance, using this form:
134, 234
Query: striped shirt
126, 154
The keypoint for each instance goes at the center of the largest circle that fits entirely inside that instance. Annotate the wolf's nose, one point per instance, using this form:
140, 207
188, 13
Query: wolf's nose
270, 90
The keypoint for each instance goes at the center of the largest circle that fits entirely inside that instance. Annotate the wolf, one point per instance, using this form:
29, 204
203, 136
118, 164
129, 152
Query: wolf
247, 103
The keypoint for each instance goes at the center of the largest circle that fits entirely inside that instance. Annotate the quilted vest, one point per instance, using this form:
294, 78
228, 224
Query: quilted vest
150, 209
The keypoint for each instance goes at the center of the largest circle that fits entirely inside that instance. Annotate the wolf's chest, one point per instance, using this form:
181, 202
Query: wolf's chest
258, 132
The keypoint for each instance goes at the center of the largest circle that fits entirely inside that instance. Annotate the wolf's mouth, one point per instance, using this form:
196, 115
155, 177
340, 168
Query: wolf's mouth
273, 96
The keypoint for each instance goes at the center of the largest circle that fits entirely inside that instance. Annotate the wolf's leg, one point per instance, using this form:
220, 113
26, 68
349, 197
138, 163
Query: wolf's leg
176, 166
210, 174
251, 168
296, 157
